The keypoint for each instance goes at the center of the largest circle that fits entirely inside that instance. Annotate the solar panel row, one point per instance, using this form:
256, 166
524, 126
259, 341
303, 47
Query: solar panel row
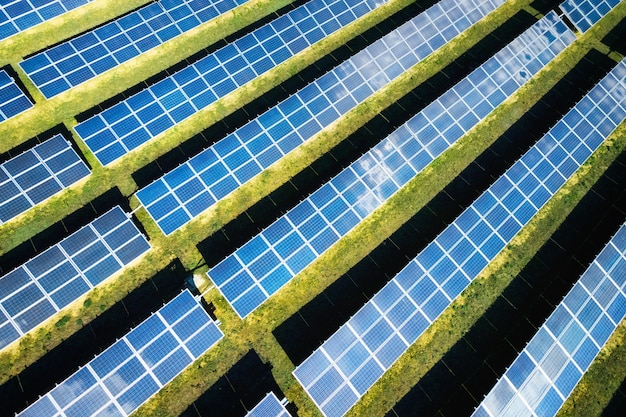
585, 13
38, 174
132, 122
269, 407
547, 370
127, 374
55, 278
186, 191
259, 268
13, 101
19, 15
77, 60
338, 373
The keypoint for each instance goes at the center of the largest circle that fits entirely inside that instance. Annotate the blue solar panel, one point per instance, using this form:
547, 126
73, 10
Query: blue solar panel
376, 336
55, 278
38, 174
269, 407
545, 373
19, 15
301, 235
196, 185
133, 369
132, 122
77, 60
13, 101
585, 13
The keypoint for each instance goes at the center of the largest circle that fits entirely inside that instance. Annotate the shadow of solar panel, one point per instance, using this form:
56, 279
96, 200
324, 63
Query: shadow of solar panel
544, 374
153, 111
38, 174
305, 232
233, 160
19, 15
13, 101
585, 13
55, 278
424, 286
120, 379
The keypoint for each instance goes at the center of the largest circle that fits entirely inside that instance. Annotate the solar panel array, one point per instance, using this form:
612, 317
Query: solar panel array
38, 174
259, 268
53, 279
19, 15
547, 370
585, 13
269, 407
338, 373
136, 120
127, 374
13, 101
79, 59
186, 191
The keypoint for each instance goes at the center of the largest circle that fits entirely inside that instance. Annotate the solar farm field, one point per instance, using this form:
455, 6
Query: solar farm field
312, 208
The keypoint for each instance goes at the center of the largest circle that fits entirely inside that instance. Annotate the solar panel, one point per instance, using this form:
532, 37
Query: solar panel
38, 174
196, 185
132, 122
269, 407
19, 15
55, 278
338, 373
13, 101
262, 266
133, 369
547, 370
79, 59
585, 13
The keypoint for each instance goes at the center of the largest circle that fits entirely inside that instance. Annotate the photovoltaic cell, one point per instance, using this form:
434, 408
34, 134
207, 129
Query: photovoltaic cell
269, 407
132, 122
19, 15
338, 373
133, 369
196, 185
547, 370
585, 13
258, 269
38, 174
13, 101
55, 278
79, 59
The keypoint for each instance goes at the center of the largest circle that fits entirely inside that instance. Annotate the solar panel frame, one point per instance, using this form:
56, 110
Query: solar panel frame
13, 101
311, 227
423, 294
585, 13
47, 283
137, 366
232, 161
138, 119
37, 174
71, 63
269, 406
544, 374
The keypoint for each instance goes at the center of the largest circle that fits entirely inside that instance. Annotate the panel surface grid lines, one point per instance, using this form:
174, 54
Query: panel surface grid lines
133, 369
269, 407
38, 174
56, 277
338, 373
84, 57
545, 373
136, 120
585, 13
196, 185
262, 266
19, 15
13, 101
